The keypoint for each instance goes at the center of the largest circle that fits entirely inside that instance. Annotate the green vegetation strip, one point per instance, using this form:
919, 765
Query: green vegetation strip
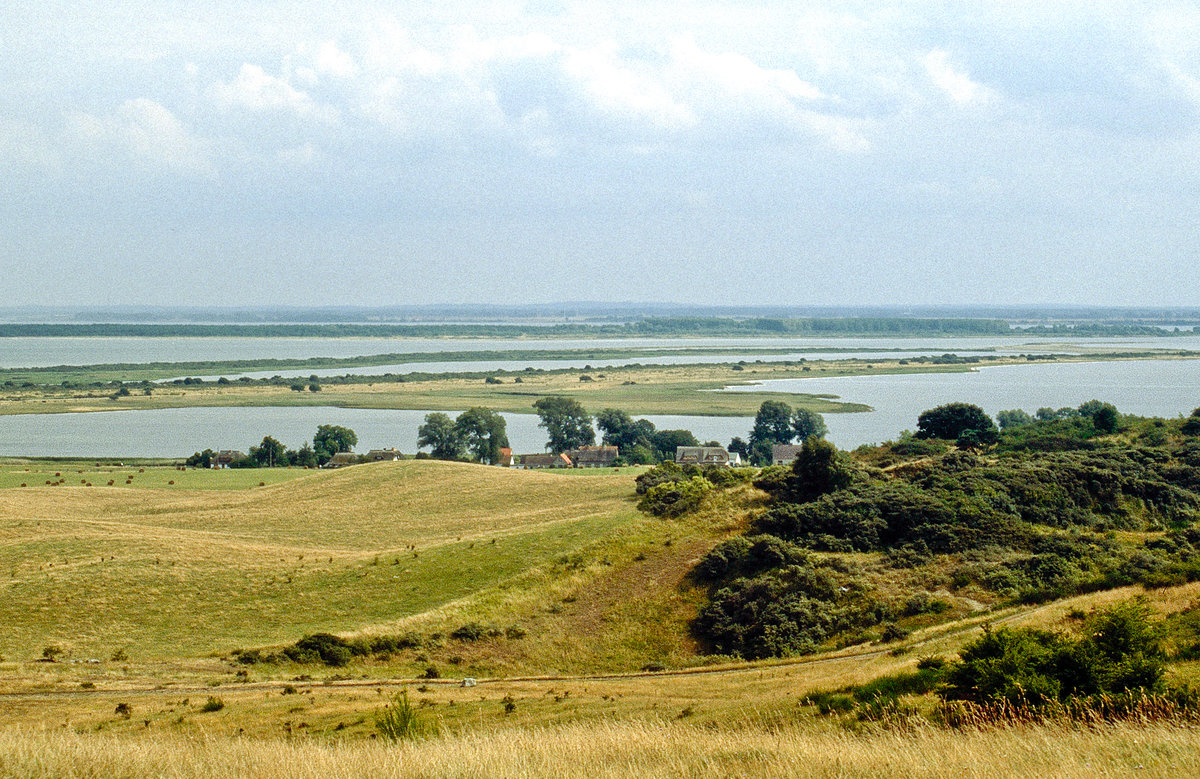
651, 326
129, 372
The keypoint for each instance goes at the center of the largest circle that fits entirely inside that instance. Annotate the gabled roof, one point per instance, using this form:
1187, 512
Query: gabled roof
586, 455
702, 455
544, 460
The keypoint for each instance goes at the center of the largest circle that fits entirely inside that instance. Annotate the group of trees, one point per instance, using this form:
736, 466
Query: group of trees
570, 426
270, 453
777, 423
970, 427
477, 433
640, 441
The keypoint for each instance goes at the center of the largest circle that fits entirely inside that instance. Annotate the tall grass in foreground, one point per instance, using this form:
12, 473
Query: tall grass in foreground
626, 749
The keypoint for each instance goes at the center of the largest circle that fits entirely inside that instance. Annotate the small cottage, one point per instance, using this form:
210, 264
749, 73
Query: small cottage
533, 461
227, 457
593, 456
785, 454
705, 455
341, 460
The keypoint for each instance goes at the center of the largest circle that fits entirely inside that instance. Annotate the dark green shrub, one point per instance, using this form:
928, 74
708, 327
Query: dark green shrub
327, 648
1119, 652
673, 499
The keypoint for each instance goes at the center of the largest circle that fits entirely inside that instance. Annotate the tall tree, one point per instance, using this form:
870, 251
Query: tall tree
666, 441
772, 425
304, 457
332, 439
819, 468
568, 424
623, 431
808, 424
441, 435
269, 454
952, 420
482, 431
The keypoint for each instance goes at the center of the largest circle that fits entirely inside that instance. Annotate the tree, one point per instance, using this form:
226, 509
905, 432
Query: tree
269, 453
666, 441
442, 436
482, 431
806, 424
1106, 420
201, 459
740, 447
568, 424
1104, 415
952, 420
820, 468
304, 457
332, 439
1016, 418
772, 425
621, 430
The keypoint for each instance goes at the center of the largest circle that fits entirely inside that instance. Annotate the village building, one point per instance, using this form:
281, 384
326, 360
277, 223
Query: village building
532, 461
706, 455
506, 457
227, 457
785, 454
341, 460
378, 455
593, 456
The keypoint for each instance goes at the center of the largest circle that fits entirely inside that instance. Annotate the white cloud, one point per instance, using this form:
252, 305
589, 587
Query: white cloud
254, 89
956, 84
330, 60
620, 88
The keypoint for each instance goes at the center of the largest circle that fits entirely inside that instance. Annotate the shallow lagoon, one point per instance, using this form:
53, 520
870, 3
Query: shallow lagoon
1146, 387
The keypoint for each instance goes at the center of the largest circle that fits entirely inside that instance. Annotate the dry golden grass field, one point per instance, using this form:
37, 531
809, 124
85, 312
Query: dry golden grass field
147, 587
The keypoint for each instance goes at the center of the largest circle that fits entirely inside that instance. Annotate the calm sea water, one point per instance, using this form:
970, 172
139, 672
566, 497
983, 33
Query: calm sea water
180, 431
1157, 387
1163, 388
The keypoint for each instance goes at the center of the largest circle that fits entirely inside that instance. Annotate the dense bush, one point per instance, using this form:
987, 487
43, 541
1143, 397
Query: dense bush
1119, 651
746, 556
784, 611
674, 498
1029, 520
664, 473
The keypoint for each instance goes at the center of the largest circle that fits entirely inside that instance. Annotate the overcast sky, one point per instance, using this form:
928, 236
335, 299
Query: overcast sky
505, 152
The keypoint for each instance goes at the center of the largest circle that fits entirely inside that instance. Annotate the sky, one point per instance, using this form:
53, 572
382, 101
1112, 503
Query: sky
368, 153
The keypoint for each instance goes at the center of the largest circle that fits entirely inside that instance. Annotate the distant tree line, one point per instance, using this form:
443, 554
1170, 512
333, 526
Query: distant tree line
659, 326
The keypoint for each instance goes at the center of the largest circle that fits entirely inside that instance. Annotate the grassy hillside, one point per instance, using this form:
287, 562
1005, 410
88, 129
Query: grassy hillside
585, 660
172, 571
